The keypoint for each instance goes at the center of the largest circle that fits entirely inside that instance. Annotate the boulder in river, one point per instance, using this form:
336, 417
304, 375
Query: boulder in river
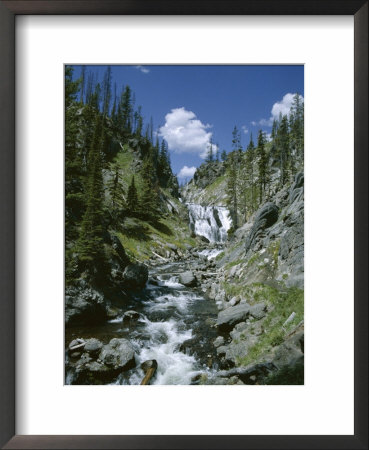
188, 279
135, 276
131, 316
93, 346
228, 318
118, 354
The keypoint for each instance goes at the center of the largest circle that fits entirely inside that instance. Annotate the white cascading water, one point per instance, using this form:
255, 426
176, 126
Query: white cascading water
212, 222
162, 339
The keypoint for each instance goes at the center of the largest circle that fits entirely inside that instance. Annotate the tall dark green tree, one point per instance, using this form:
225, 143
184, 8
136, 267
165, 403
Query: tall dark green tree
283, 150
71, 87
91, 242
74, 164
232, 186
138, 119
297, 130
83, 83
125, 110
164, 171
116, 190
150, 198
106, 91
263, 165
250, 176
132, 198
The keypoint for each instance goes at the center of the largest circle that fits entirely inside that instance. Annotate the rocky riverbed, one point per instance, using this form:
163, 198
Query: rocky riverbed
171, 322
218, 313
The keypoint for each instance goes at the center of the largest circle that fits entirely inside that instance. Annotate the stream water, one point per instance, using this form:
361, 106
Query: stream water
176, 328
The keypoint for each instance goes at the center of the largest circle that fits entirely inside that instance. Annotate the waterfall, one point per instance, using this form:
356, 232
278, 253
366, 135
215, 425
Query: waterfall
212, 222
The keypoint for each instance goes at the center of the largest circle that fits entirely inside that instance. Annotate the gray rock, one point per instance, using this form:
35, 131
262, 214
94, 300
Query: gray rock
84, 306
291, 352
239, 329
188, 279
135, 276
149, 364
265, 218
234, 300
173, 247
228, 318
258, 311
250, 373
297, 189
93, 346
219, 341
118, 354
129, 316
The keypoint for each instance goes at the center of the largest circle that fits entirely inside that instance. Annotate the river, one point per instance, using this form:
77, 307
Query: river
176, 324
176, 328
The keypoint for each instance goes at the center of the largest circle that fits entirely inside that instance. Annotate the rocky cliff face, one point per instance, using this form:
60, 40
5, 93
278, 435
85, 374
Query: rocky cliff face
258, 289
208, 186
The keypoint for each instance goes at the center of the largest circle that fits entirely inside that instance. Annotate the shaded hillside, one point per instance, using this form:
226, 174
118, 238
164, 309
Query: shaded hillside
121, 197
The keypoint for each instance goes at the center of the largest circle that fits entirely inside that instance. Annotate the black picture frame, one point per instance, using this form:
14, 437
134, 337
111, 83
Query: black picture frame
8, 11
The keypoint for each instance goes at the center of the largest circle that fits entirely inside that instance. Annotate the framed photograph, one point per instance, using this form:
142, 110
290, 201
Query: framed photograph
185, 198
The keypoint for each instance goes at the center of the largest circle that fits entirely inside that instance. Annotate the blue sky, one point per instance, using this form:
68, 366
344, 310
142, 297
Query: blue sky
191, 104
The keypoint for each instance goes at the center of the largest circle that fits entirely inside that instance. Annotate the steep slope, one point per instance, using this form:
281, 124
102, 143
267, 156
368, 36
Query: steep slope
258, 288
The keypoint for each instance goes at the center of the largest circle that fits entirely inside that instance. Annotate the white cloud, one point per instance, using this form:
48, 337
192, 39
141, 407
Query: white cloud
143, 69
283, 107
185, 133
245, 129
186, 172
265, 122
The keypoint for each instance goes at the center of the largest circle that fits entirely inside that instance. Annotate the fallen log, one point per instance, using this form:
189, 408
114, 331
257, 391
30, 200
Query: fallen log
150, 367
161, 257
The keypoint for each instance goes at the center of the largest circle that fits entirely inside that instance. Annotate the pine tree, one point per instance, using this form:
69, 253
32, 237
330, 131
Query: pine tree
138, 121
236, 140
132, 198
71, 87
106, 91
74, 168
116, 190
89, 88
83, 81
125, 110
223, 156
283, 150
164, 171
250, 175
232, 184
96, 97
263, 165
217, 154
210, 154
297, 128
91, 244
149, 202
